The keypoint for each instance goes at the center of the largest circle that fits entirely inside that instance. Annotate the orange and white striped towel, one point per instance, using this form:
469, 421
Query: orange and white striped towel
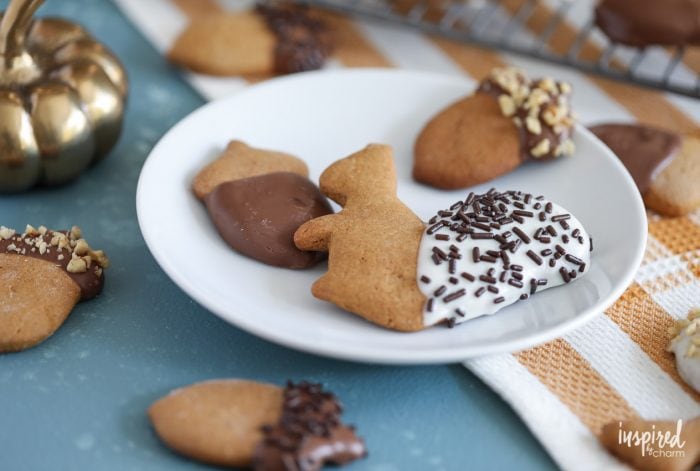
616, 366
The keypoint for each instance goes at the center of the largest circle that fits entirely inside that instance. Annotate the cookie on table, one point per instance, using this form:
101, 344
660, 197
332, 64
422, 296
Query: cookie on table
509, 120
272, 38
685, 345
238, 161
43, 275
664, 165
680, 455
237, 423
642, 23
473, 258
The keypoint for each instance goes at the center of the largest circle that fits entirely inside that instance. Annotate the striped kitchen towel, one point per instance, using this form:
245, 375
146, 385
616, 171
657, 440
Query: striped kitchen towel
616, 366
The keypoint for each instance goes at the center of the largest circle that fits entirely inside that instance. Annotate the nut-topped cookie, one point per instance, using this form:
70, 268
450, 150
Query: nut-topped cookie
261, 426
509, 120
664, 165
43, 274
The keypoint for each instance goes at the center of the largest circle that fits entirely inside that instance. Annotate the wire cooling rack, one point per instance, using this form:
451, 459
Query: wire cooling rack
558, 31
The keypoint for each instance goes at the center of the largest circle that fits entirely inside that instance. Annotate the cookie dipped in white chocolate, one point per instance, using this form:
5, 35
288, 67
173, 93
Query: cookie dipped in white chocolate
685, 345
489, 251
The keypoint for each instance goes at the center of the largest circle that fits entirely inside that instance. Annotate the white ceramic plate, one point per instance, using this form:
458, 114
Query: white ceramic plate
322, 117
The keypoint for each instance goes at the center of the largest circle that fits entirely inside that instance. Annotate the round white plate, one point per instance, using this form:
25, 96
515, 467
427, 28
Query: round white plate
322, 117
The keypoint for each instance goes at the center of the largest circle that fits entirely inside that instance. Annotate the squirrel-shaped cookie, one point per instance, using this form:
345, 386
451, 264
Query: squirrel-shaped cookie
372, 243
477, 256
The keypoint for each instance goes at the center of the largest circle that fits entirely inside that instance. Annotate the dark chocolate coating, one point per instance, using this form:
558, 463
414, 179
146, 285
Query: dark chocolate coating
644, 150
90, 282
309, 433
527, 139
645, 22
303, 41
258, 216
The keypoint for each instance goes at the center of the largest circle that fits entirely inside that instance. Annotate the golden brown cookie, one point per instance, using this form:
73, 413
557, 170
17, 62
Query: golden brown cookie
243, 423
226, 44
676, 191
509, 120
242, 161
43, 274
36, 298
272, 38
668, 445
372, 243
664, 165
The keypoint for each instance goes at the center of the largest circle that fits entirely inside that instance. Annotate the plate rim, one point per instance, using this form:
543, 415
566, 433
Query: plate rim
372, 354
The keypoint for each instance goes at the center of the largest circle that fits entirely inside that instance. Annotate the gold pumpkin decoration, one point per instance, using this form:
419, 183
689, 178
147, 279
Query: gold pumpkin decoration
62, 97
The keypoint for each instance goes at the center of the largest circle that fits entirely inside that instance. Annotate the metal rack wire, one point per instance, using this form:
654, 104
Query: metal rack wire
507, 25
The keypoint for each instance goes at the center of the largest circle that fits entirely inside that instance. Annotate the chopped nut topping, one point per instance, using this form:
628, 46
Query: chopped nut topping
6, 233
81, 247
77, 265
42, 239
538, 106
689, 327
31, 231
533, 125
75, 233
542, 148
507, 105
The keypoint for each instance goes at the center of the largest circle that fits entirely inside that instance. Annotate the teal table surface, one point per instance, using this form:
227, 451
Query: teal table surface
78, 400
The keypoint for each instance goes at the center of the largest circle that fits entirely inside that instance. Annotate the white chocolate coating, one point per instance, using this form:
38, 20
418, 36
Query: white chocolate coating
686, 348
575, 259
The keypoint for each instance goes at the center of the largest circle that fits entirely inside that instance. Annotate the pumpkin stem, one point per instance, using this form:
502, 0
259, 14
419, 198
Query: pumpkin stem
14, 25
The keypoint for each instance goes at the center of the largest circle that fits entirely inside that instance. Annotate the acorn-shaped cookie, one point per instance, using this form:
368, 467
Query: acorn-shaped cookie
241, 423
509, 120
43, 275
664, 165
473, 258
257, 199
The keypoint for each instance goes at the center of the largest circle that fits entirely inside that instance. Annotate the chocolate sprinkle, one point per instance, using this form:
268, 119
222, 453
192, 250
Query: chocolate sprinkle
536, 258
308, 434
484, 217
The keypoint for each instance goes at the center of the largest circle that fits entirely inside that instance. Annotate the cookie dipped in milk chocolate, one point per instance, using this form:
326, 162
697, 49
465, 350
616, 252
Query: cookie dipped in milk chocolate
644, 150
642, 23
664, 165
508, 121
258, 216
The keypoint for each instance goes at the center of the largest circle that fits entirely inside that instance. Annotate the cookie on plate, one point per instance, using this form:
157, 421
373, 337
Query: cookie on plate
509, 120
271, 38
664, 165
473, 258
241, 423
43, 275
257, 199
